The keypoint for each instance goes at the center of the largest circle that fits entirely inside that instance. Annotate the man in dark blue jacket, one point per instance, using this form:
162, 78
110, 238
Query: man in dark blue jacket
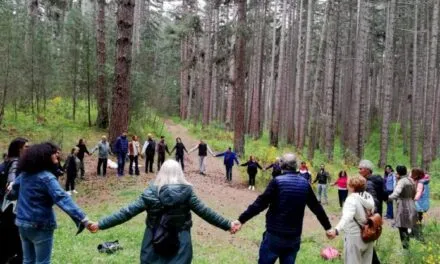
121, 149
286, 196
229, 159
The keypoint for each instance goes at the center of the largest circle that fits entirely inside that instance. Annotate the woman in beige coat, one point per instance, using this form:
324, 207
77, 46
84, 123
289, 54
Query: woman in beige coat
354, 213
404, 193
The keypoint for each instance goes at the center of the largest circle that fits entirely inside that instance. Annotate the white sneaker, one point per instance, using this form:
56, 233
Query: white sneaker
74, 191
253, 188
249, 187
69, 193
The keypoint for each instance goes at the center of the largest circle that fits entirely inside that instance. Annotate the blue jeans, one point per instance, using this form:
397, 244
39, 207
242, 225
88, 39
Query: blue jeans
390, 213
121, 163
37, 245
274, 247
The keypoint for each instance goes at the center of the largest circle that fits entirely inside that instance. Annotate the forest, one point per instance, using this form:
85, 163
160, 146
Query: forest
309, 73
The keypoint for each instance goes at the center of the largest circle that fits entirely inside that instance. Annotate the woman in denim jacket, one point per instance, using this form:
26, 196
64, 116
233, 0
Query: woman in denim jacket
38, 190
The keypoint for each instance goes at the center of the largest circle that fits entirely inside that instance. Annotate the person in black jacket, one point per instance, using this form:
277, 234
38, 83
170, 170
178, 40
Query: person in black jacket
149, 149
161, 147
180, 148
82, 151
323, 178
375, 187
252, 170
276, 168
286, 196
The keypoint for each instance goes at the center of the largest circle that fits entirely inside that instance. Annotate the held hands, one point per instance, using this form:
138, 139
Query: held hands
235, 227
92, 227
331, 234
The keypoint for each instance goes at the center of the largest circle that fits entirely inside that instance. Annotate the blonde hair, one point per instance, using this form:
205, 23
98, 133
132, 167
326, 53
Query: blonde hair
170, 173
358, 183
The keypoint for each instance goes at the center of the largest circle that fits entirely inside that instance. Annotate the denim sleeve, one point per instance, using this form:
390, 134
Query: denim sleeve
124, 214
64, 201
260, 204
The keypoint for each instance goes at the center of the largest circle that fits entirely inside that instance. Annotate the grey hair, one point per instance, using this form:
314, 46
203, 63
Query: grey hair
289, 161
366, 164
170, 173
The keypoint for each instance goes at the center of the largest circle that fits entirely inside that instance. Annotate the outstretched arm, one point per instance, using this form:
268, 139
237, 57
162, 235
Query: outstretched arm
244, 164
194, 148
207, 214
262, 202
317, 209
209, 150
123, 215
259, 166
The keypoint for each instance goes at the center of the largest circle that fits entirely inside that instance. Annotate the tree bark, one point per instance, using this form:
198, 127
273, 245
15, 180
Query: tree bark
389, 76
240, 75
414, 101
101, 88
430, 91
121, 89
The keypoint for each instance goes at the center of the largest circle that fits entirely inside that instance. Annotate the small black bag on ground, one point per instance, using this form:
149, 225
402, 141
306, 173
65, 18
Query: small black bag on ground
109, 247
166, 236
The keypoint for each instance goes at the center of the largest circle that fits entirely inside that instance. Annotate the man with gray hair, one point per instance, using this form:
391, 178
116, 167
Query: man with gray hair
375, 187
286, 196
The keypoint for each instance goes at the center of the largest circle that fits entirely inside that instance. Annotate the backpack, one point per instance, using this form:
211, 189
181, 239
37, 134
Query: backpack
166, 236
4, 170
371, 230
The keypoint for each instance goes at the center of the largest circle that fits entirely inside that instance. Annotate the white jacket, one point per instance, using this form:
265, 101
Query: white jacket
354, 207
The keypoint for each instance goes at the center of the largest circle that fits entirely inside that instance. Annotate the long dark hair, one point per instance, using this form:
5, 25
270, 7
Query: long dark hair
15, 146
38, 158
81, 141
342, 173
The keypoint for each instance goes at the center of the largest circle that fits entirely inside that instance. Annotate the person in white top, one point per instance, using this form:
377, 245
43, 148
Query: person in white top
354, 214
133, 154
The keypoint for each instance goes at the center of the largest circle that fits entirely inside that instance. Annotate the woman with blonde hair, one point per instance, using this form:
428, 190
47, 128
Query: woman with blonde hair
170, 194
354, 214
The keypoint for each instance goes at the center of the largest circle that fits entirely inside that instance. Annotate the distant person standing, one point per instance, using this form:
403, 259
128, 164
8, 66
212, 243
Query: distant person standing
228, 161
323, 178
203, 152
149, 150
180, 149
304, 172
276, 168
162, 147
390, 183
121, 149
133, 155
341, 182
104, 150
82, 151
252, 170
72, 168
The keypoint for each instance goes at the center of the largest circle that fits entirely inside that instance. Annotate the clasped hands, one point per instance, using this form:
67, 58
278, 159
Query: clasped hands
235, 227
93, 227
331, 233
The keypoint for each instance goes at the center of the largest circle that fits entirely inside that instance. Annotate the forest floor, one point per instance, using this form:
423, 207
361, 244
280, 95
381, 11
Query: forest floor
100, 196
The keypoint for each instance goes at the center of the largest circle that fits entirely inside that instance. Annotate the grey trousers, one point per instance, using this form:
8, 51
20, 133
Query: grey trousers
202, 163
322, 191
357, 251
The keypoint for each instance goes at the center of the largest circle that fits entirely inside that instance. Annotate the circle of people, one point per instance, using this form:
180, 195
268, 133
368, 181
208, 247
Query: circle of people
31, 189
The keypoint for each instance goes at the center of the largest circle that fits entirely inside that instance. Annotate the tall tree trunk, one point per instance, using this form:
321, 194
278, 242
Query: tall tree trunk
389, 76
299, 72
306, 86
121, 89
101, 88
208, 67
330, 77
414, 100
313, 131
430, 98
272, 85
275, 127
356, 139
6, 81
240, 75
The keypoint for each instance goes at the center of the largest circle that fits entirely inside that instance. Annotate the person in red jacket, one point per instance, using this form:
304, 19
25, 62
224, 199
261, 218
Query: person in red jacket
341, 182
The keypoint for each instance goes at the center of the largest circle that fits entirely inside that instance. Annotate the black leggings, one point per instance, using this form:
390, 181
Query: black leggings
252, 178
179, 158
342, 196
10, 243
404, 237
70, 182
